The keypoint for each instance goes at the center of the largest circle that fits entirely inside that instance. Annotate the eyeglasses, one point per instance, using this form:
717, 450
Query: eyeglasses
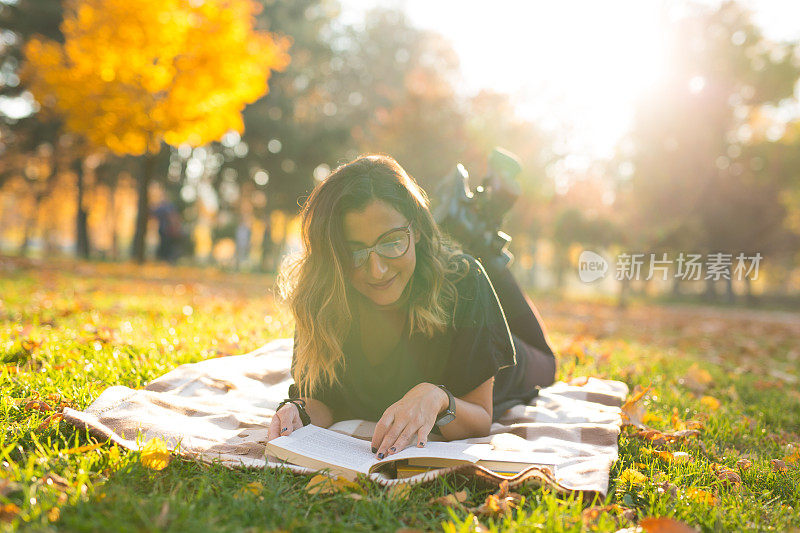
391, 245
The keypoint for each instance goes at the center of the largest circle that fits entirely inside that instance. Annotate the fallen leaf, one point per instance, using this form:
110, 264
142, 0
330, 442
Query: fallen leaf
83, 449
499, 503
668, 456
665, 525
681, 457
592, 514
254, 487
675, 419
710, 402
8, 512
29, 345
155, 454
38, 405
725, 474
744, 464
778, 465
695, 424
322, 484
632, 477
632, 412
793, 454
668, 489
696, 379
658, 438
652, 418
55, 417
701, 496
450, 500
54, 514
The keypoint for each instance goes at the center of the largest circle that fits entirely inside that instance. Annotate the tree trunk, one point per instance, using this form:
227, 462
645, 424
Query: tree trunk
143, 206
676, 286
711, 291
112, 202
26, 236
82, 229
730, 296
748, 294
624, 285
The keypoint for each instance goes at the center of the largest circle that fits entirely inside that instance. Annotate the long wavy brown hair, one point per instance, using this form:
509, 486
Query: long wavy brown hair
316, 283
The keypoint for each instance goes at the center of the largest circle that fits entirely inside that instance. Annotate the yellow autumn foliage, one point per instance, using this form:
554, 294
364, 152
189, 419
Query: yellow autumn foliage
133, 73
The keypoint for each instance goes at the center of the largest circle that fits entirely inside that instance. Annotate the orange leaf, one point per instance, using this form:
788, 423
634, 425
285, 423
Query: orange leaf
8, 512
701, 496
665, 525
38, 405
675, 420
47, 421
696, 379
631, 411
744, 464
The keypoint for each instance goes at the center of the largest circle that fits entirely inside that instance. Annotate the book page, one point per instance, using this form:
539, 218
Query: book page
328, 446
455, 451
349, 452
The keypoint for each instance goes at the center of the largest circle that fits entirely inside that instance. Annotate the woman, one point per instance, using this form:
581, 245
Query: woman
396, 325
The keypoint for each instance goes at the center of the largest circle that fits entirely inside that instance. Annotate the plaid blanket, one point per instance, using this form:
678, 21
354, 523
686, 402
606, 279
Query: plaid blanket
220, 410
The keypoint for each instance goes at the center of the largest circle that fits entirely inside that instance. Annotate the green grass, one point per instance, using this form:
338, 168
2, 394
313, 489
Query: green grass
69, 330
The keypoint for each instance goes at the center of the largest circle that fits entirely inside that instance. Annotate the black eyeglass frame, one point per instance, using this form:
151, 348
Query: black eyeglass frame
374, 247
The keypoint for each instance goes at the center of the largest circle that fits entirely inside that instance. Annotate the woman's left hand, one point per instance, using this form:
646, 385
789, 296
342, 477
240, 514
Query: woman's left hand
413, 414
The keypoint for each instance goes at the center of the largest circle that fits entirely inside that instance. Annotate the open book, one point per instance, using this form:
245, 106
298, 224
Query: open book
318, 448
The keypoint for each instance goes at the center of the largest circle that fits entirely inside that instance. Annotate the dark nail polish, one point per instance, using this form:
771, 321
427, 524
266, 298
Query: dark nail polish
284, 429
421, 444
374, 449
393, 449
380, 456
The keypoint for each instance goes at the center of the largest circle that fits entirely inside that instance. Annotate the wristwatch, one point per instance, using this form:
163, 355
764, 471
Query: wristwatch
449, 414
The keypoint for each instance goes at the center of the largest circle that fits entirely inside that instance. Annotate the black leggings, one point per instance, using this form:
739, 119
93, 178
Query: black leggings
530, 341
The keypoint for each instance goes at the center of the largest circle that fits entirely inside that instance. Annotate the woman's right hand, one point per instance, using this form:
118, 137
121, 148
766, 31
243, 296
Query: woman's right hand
285, 420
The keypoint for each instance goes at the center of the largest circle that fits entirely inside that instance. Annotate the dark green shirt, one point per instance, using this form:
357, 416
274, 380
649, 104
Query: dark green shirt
460, 358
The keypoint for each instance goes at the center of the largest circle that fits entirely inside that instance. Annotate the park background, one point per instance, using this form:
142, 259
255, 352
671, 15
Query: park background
649, 127
643, 127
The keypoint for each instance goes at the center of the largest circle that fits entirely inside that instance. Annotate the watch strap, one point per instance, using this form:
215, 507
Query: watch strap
449, 413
